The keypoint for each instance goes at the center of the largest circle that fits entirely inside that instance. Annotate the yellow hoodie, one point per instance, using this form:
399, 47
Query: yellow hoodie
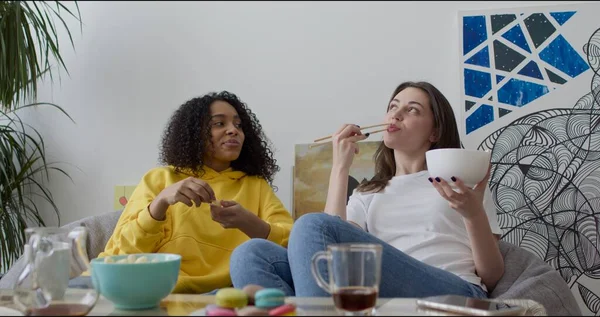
205, 246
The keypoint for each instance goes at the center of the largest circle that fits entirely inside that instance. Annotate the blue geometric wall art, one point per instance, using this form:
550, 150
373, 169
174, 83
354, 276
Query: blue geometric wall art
502, 112
477, 83
482, 58
539, 28
562, 17
469, 105
560, 54
474, 32
511, 41
516, 36
480, 117
506, 58
499, 21
531, 70
518, 92
555, 78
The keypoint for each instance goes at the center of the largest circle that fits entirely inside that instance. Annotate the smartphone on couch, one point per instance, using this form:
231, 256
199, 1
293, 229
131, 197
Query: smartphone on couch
469, 306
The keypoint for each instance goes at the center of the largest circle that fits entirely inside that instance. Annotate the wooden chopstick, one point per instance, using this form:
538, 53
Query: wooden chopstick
377, 131
323, 143
362, 128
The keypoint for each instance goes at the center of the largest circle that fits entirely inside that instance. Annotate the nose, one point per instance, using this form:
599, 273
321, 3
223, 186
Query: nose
232, 129
396, 115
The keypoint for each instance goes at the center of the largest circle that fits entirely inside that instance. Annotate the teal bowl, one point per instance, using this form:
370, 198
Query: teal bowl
135, 286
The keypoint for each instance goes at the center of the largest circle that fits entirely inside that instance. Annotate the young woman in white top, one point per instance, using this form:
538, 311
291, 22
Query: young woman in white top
436, 240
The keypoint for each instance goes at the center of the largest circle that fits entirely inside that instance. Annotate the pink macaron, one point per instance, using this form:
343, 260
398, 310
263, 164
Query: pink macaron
283, 310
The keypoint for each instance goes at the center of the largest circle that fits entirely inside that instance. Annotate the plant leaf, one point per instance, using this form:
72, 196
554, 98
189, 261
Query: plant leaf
22, 163
28, 38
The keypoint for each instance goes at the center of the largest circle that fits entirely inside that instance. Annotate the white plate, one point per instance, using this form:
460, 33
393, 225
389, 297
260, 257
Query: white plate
5, 311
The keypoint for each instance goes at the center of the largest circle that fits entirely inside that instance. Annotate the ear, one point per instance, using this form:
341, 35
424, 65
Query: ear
433, 138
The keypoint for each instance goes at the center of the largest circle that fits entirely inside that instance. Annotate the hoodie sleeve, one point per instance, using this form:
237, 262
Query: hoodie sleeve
274, 213
136, 230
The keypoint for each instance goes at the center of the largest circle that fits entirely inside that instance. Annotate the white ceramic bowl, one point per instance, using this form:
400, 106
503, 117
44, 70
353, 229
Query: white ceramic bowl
468, 165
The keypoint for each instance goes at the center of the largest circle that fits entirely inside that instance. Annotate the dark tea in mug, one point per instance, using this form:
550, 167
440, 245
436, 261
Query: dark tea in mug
354, 299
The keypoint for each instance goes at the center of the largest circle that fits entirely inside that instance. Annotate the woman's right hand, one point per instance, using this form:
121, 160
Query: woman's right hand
188, 191
344, 145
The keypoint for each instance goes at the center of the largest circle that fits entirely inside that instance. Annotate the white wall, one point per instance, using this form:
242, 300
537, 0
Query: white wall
304, 67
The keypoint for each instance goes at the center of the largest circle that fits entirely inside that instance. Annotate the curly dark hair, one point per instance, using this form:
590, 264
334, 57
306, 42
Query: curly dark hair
188, 132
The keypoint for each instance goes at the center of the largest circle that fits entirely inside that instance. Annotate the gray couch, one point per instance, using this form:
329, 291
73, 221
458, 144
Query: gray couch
525, 277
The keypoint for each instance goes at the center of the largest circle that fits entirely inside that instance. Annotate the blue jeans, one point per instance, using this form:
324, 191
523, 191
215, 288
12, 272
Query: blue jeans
265, 263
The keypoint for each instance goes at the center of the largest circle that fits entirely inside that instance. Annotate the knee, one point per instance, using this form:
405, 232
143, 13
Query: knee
314, 221
312, 225
251, 250
252, 255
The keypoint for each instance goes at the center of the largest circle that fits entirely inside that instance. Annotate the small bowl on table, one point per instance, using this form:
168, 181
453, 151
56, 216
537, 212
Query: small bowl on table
136, 281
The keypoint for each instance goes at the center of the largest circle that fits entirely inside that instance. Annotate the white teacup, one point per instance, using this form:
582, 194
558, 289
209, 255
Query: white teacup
470, 166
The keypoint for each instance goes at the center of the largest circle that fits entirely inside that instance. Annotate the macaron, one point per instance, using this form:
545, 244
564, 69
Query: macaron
269, 298
214, 310
284, 310
252, 311
251, 290
231, 298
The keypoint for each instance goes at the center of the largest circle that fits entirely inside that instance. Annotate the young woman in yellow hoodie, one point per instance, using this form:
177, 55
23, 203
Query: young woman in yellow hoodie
215, 151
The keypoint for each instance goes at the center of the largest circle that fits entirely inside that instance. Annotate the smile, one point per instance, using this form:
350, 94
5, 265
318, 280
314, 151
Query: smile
232, 143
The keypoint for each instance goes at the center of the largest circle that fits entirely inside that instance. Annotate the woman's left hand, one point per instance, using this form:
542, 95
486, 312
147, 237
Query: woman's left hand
230, 214
468, 202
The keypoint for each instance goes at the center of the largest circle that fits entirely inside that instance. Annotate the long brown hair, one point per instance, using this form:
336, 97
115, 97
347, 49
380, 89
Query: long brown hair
444, 123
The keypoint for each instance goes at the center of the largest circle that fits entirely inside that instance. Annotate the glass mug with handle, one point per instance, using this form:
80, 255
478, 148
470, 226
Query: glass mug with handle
354, 271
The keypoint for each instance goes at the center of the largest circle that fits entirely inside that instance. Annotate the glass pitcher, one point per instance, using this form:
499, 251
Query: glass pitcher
53, 256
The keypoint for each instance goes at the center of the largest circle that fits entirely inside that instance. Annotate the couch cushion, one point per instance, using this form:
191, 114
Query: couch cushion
528, 277
99, 228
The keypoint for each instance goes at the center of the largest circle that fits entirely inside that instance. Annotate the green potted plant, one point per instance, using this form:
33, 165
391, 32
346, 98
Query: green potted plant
28, 48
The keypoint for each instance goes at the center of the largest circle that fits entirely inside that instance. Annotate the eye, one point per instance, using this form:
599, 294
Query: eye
238, 125
218, 124
392, 107
413, 109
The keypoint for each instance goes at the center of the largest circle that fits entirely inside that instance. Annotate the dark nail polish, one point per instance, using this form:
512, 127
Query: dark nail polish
453, 178
430, 180
367, 134
437, 179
